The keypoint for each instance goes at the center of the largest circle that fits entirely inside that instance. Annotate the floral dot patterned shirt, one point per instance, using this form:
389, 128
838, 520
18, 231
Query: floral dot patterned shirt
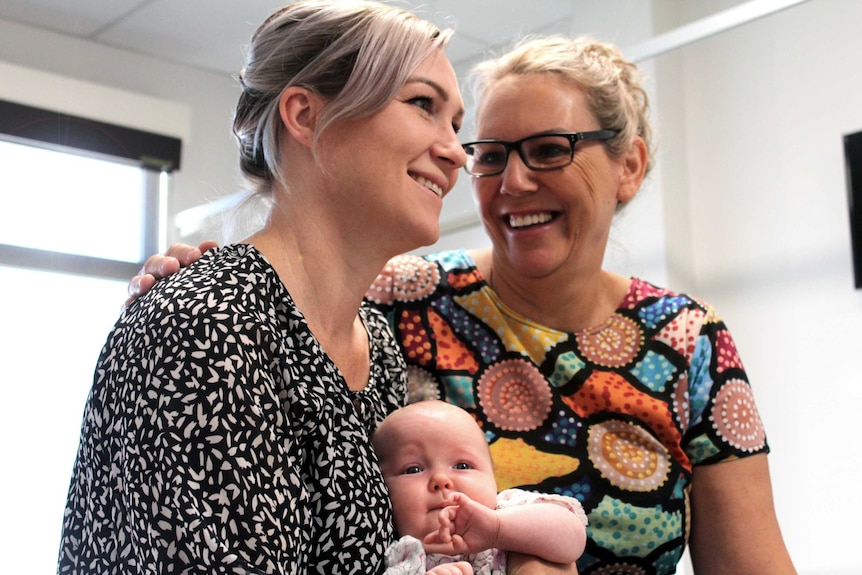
219, 438
615, 416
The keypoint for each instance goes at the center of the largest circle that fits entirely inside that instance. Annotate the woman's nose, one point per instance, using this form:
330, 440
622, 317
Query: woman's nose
516, 178
450, 149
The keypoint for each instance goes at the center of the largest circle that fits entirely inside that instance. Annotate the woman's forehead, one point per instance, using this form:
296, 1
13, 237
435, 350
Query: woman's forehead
520, 106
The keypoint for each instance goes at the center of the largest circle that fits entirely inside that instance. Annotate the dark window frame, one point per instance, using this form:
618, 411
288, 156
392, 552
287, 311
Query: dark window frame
154, 153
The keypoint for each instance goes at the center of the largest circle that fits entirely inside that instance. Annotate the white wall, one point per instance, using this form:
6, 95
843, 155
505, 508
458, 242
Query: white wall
757, 224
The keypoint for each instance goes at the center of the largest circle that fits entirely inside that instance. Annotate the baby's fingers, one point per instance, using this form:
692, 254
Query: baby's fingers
459, 568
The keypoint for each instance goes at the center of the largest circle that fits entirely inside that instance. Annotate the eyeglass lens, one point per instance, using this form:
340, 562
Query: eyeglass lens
539, 152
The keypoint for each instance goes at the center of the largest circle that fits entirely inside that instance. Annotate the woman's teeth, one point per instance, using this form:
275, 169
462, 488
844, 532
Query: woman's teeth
529, 220
430, 185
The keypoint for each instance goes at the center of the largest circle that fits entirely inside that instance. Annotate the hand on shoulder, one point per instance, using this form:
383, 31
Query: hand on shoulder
160, 266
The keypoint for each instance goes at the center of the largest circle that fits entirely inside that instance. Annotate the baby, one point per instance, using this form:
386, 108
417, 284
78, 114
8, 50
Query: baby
437, 466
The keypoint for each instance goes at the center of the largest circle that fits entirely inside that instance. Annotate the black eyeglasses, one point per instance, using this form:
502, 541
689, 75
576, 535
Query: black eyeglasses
540, 152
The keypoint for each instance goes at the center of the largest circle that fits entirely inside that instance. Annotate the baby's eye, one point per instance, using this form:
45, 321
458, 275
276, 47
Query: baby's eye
463, 465
412, 470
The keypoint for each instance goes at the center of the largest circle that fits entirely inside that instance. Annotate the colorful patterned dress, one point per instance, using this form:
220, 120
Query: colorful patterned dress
615, 416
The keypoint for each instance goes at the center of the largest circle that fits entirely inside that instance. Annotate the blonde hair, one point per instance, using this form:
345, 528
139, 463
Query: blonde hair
611, 83
355, 54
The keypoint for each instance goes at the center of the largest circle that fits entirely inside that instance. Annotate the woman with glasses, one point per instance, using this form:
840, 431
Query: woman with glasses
628, 396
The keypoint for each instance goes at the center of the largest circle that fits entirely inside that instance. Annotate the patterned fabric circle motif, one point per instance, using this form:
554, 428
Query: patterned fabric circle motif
421, 385
514, 395
735, 416
628, 456
413, 278
615, 344
404, 278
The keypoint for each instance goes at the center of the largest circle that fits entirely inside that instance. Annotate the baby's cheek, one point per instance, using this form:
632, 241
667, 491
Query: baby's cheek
407, 523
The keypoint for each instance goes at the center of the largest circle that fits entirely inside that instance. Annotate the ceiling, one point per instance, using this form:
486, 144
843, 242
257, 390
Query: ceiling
210, 34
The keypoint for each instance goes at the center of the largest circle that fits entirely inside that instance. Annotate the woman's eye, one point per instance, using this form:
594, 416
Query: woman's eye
549, 151
492, 158
424, 102
462, 466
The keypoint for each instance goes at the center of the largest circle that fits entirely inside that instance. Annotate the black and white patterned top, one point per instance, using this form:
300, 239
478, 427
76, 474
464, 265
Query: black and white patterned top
218, 437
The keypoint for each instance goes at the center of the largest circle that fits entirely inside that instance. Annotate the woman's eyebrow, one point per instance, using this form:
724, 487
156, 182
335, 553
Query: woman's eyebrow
444, 94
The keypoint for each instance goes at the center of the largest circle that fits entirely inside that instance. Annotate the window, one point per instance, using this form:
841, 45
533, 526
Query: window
75, 224
67, 189
72, 204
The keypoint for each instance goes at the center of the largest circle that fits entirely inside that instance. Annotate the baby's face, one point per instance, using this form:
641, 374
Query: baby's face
427, 454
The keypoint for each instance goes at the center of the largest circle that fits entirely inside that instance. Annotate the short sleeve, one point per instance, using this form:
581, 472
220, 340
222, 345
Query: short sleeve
514, 497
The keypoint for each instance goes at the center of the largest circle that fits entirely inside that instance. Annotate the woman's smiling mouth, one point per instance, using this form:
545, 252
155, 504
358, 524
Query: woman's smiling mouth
523, 221
429, 184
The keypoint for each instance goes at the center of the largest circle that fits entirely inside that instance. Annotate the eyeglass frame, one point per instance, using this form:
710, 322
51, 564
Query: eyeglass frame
573, 137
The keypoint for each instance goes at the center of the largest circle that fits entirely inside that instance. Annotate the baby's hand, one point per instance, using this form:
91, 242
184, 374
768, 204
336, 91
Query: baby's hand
465, 527
459, 568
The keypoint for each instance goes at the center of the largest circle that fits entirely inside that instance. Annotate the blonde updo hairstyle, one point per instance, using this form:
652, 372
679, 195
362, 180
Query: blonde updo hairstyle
611, 83
355, 54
